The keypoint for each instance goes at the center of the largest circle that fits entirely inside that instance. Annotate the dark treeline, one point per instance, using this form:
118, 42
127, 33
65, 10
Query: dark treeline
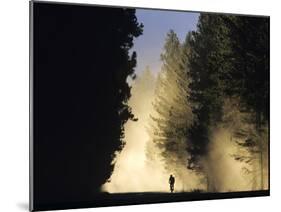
221, 72
81, 64
229, 59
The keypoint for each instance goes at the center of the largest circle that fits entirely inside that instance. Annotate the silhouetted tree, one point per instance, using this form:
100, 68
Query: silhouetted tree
248, 78
229, 60
206, 62
81, 64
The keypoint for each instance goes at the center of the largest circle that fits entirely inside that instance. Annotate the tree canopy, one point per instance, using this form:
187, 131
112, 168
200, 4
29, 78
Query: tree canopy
81, 66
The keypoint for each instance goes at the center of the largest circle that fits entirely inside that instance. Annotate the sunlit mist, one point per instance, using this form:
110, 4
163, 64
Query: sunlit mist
133, 172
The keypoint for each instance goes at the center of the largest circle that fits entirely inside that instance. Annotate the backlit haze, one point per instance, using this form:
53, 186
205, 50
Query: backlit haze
133, 172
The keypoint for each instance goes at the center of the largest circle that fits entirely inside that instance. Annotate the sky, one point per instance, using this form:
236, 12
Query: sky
156, 25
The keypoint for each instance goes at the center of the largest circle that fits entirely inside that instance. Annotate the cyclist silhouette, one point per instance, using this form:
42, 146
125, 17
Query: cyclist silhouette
172, 183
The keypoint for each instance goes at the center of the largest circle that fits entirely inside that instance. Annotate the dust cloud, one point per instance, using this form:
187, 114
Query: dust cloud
133, 171
140, 167
224, 173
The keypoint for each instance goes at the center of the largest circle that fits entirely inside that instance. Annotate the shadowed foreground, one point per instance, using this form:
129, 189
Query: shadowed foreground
106, 199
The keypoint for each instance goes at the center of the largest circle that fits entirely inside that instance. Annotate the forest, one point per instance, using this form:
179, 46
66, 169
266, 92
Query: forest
100, 128
214, 87
209, 116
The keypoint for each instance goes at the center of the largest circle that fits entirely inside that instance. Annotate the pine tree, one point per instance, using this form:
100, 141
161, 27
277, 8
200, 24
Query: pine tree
209, 48
229, 61
248, 78
172, 112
